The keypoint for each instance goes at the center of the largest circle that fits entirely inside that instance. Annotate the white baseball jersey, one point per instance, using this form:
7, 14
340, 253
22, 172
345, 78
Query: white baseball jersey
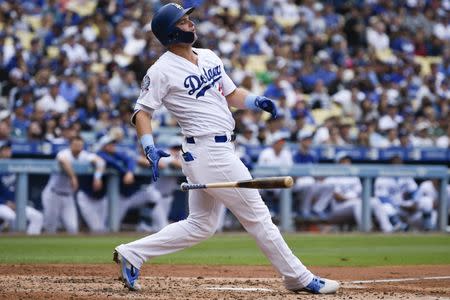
60, 181
427, 189
268, 157
197, 92
394, 188
349, 187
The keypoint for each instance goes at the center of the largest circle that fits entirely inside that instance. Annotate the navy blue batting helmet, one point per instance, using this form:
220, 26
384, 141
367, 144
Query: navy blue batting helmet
164, 25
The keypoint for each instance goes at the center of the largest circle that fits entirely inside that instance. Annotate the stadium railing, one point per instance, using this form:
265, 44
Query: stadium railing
25, 167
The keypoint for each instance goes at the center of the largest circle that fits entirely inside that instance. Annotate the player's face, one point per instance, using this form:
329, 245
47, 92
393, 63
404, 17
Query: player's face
76, 146
186, 24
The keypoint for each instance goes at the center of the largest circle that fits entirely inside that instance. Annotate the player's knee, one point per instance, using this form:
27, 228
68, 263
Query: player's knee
204, 228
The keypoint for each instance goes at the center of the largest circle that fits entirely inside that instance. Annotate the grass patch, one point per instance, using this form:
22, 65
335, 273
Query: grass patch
240, 249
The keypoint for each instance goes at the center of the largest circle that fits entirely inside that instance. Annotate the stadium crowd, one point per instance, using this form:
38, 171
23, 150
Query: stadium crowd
368, 73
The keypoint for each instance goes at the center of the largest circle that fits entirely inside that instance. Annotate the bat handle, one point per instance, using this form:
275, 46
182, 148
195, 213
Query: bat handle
191, 186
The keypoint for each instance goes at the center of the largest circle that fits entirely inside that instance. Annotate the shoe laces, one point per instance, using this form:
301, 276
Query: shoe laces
315, 285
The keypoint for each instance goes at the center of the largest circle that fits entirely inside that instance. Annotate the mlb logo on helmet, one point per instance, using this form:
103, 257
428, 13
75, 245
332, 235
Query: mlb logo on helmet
177, 5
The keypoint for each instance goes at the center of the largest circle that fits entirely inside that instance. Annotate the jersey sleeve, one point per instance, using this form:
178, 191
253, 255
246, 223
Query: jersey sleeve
153, 90
63, 154
228, 84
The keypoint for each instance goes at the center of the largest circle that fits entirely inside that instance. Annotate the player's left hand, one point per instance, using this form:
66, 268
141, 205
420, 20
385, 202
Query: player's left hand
154, 155
267, 105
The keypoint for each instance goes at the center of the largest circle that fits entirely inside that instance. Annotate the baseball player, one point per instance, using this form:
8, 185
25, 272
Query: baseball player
7, 197
346, 204
58, 195
192, 84
400, 196
276, 156
312, 194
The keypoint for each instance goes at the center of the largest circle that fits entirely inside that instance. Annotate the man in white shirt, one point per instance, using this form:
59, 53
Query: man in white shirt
53, 101
58, 195
346, 204
193, 85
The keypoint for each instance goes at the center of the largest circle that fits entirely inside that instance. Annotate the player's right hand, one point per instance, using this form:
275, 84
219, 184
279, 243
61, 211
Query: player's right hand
74, 183
154, 155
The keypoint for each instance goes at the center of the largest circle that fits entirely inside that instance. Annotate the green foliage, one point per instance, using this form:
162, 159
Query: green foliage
240, 249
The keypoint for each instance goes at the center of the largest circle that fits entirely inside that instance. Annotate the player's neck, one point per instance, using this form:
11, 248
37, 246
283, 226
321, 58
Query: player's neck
184, 51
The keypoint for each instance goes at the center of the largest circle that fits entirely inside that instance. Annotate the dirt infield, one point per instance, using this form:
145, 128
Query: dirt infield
217, 282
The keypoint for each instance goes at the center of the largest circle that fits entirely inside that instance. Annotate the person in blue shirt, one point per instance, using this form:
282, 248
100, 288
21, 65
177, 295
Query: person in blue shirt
134, 191
68, 88
304, 154
7, 197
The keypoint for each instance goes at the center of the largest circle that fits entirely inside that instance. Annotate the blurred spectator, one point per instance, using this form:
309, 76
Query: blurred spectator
382, 63
422, 138
304, 153
52, 101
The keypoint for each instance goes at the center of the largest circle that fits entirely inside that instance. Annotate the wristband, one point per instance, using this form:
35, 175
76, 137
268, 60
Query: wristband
147, 140
98, 175
250, 101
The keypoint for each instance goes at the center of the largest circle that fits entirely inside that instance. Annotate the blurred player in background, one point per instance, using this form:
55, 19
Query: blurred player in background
346, 204
7, 197
58, 195
276, 156
312, 194
400, 196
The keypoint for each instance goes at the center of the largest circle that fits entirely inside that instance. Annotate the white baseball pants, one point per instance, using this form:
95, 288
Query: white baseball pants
94, 211
34, 217
58, 208
217, 162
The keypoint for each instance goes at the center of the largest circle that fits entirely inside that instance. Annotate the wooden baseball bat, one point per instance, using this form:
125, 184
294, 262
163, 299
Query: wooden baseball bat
257, 183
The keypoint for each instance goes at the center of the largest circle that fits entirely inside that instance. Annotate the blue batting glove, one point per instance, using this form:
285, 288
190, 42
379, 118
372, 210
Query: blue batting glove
154, 155
267, 105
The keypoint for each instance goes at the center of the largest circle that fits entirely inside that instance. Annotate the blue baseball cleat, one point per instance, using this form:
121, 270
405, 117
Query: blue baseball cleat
128, 274
320, 286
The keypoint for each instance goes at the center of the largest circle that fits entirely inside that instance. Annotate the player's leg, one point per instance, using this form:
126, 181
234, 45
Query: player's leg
425, 206
139, 198
253, 214
323, 194
346, 212
35, 220
158, 214
69, 215
199, 225
51, 204
381, 213
93, 211
7, 215
248, 206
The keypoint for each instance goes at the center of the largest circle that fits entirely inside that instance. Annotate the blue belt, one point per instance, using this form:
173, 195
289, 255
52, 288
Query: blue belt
217, 139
